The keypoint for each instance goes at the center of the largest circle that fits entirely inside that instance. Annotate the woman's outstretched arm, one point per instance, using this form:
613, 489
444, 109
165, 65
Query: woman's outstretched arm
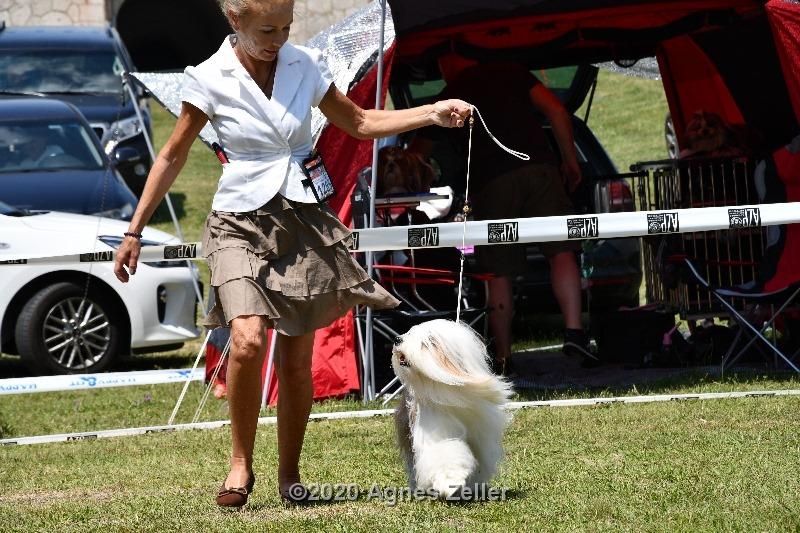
166, 167
374, 123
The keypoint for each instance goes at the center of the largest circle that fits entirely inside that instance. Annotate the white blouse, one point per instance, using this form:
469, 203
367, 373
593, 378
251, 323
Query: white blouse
265, 139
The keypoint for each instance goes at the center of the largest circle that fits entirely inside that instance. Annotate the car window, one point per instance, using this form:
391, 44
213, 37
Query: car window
27, 146
559, 80
60, 71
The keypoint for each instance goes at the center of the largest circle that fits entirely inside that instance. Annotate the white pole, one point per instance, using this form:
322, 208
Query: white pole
268, 376
369, 369
126, 81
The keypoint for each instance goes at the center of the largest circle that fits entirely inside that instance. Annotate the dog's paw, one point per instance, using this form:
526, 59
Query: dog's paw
447, 488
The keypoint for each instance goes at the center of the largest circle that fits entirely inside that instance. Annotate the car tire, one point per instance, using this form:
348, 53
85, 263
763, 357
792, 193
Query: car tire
60, 332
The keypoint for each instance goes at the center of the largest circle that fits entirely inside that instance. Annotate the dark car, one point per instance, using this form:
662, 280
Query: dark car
612, 268
51, 161
82, 66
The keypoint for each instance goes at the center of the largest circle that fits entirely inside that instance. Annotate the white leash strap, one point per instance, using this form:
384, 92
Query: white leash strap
466, 209
519, 155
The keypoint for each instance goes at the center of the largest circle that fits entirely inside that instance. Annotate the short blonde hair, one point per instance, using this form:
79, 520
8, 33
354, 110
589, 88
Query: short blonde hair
239, 7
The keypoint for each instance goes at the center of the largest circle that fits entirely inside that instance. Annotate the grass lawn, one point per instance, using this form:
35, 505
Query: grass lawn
700, 466
627, 116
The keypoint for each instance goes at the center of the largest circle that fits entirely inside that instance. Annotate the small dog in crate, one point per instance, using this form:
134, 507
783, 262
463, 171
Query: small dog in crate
403, 171
707, 134
450, 421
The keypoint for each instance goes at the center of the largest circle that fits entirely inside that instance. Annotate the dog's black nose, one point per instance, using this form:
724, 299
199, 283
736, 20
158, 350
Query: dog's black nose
398, 341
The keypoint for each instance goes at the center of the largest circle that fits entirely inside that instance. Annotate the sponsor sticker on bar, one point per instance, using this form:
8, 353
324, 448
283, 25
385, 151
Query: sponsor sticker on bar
91, 436
354, 240
97, 257
500, 232
582, 228
658, 223
14, 262
744, 217
423, 237
180, 251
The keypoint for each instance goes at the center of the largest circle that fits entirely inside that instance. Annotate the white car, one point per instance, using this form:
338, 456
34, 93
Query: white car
76, 316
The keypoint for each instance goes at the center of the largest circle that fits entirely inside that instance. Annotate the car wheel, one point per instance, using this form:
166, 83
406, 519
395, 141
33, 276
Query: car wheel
61, 332
670, 138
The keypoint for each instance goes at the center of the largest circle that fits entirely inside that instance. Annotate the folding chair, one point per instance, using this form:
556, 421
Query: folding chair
415, 309
762, 302
777, 286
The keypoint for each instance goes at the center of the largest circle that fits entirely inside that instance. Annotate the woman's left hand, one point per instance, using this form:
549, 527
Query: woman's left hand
451, 113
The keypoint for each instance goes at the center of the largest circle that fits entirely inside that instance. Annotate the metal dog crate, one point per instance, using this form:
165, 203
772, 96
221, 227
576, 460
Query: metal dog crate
724, 257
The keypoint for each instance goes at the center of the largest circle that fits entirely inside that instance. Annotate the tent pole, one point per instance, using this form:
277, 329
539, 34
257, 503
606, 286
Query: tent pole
126, 81
369, 368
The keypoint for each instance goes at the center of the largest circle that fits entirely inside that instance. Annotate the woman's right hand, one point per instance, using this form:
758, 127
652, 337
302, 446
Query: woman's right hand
451, 113
127, 256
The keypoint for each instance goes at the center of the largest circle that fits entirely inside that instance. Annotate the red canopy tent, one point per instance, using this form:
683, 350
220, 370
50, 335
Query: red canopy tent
738, 58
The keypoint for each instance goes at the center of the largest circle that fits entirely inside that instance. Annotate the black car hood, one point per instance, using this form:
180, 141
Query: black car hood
73, 191
99, 107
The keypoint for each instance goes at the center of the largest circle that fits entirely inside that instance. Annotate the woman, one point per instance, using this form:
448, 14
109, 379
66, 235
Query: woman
277, 257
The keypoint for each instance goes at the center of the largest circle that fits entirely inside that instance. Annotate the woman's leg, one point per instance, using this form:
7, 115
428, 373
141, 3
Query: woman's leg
295, 393
248, 348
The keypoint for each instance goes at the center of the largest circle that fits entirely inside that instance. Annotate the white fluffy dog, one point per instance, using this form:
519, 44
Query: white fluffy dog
450, 422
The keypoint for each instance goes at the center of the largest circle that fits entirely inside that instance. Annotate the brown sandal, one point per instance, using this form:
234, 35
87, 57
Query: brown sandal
235, 496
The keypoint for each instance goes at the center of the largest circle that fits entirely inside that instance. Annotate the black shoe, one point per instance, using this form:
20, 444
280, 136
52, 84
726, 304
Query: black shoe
576, 344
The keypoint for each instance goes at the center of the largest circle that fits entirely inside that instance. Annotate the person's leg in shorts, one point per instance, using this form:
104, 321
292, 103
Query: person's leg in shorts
500, 199
565, 278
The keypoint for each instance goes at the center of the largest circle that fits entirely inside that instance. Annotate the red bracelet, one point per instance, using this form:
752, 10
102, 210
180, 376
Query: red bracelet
131, 234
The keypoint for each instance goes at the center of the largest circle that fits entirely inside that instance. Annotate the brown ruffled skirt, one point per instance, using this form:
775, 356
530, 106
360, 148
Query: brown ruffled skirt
289, 262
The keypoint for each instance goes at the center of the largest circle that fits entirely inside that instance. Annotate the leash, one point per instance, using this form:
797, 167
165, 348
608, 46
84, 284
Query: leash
466, 209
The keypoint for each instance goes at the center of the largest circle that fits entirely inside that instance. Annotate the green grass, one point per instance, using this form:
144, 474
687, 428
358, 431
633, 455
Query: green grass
627, 115
700, 466
88, 410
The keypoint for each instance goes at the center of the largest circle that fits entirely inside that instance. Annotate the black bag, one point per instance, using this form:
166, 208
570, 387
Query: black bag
633, 337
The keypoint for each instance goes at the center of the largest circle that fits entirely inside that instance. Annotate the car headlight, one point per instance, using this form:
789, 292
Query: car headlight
114, 241
120, 213
122, 131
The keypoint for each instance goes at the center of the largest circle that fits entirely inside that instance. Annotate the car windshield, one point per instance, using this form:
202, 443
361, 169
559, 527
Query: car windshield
30, 146
60, 71
558, 80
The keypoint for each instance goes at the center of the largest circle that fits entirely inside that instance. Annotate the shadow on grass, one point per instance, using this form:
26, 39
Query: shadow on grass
149, 362
487, 494
162, 212
686, 380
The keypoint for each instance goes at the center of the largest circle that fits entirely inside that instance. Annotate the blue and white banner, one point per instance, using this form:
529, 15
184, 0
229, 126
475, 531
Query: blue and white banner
97, 381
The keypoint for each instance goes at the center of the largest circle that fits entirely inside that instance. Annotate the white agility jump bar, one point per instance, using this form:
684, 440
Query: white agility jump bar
521, 230
578, 402
72, 382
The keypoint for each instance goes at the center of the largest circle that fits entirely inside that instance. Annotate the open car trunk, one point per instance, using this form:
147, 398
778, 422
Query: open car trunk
714, 55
